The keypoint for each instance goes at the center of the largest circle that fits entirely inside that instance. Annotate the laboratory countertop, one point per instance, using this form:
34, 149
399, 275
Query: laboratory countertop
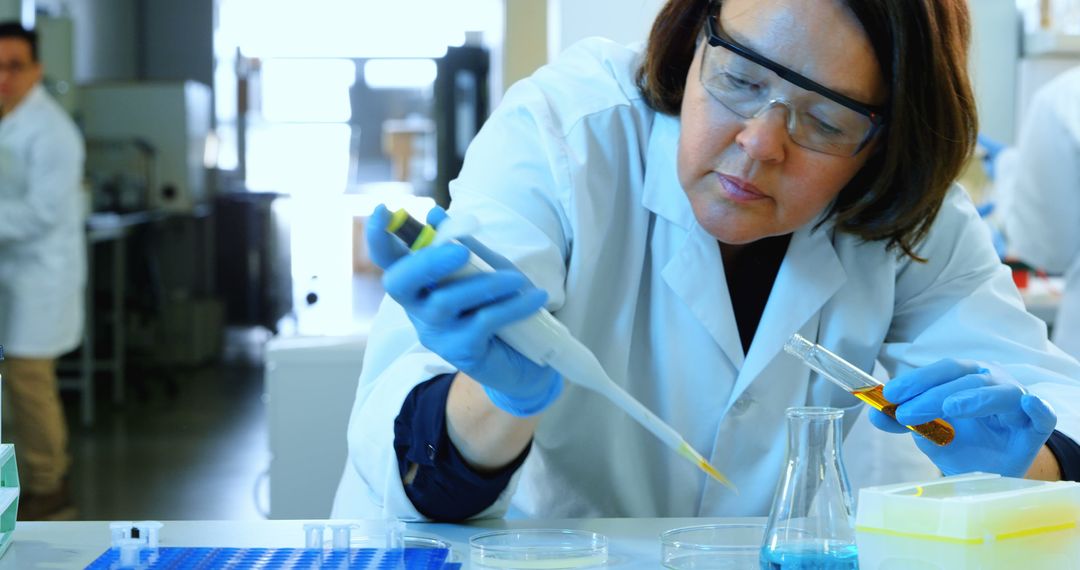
1042, 297
632, 543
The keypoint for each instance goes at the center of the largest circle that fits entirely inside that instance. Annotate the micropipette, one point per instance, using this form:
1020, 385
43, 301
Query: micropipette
861, 385
544, 340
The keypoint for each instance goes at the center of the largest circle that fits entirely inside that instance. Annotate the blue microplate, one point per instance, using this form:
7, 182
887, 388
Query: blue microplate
280, 559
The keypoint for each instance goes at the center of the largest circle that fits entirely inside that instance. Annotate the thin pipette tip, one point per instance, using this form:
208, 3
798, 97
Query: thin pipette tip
688, 452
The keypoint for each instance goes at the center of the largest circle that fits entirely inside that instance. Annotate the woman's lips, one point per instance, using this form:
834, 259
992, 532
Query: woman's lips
739, 190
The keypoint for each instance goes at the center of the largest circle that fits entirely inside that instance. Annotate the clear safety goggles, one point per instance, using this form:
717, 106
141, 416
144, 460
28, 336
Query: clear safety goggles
749, 85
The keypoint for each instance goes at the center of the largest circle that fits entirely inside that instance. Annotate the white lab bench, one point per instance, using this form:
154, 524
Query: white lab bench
632, 543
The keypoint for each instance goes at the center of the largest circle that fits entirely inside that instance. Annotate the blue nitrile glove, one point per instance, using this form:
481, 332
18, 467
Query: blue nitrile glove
996, 237
1001, 247
458, 319
1000, 427
993, 149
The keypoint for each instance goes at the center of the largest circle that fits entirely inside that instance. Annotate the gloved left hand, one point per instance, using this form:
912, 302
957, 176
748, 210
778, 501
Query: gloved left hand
1000, 427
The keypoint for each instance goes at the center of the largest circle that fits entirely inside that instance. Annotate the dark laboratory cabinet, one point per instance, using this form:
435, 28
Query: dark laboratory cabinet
461, 107
254, 267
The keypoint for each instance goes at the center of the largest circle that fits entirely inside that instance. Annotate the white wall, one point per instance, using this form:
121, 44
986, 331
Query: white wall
995, 52
9, 9
18, 10
536, 31
625, 21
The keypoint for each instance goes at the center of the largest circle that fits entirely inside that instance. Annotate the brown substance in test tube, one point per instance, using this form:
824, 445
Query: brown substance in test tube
937, 431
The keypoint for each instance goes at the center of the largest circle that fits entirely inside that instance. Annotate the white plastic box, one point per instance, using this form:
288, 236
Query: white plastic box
975, 521
310, 386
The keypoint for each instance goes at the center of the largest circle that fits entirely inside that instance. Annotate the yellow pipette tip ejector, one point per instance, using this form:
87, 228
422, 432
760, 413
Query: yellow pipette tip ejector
688, 452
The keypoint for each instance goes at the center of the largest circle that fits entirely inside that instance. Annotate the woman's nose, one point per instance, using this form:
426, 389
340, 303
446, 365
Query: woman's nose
764, 135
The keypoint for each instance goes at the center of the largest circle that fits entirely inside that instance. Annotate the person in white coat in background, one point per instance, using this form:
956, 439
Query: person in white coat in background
42, 269
1037, 183
761, 168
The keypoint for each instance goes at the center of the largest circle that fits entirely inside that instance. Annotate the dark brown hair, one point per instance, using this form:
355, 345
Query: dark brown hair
931, 126
12, 29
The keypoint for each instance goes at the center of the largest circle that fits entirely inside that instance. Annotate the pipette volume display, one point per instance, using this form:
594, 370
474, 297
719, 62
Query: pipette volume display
861, 385
546, 341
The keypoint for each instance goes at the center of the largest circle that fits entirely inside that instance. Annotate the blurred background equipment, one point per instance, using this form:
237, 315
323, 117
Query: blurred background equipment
172, 118
1017, 46
461, 105
253, 276
121, 173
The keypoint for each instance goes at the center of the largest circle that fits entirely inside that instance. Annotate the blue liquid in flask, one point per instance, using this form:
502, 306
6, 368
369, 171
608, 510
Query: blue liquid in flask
820, 557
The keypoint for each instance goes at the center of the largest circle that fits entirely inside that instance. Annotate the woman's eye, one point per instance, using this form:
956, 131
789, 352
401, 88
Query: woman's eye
824, 128
736, 82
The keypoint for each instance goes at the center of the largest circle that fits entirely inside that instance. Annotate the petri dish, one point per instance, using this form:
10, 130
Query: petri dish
418, 541
538, 548
712, 547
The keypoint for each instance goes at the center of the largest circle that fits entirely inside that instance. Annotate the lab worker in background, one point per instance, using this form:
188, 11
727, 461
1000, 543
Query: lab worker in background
761, 168
1037, 184
42, 269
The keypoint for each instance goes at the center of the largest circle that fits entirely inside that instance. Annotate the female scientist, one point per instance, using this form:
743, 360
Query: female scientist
764, 167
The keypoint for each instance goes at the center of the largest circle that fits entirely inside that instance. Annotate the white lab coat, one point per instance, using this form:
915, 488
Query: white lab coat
573, 178
42, 237
1040, 205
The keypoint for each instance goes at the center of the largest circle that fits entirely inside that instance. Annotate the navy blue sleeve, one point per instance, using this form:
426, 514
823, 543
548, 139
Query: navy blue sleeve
1067, 453
444, 488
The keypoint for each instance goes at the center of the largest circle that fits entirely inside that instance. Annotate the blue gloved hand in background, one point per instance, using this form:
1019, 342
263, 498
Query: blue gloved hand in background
458, 319
998, 238
993, 149
1000, 428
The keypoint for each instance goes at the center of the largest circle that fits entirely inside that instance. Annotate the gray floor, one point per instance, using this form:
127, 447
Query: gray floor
188, 444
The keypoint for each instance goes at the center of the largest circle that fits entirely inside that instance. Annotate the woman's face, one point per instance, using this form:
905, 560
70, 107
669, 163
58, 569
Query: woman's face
745, 178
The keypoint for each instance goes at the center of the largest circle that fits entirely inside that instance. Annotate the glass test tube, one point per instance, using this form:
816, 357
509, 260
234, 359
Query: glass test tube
861, 385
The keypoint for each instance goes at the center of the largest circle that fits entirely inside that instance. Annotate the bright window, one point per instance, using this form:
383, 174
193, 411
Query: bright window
399, 73
354, 28
307, 90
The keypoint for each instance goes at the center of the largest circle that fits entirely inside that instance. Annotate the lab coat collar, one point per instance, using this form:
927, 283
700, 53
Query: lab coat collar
36, 92
809, 276
662, 193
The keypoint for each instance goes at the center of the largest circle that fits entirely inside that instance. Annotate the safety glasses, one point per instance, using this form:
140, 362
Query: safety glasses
749, 85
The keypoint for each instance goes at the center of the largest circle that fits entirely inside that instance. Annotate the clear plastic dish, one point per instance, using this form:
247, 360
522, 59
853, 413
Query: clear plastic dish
712, 547
539, 548
419, 541
407, 541
416, 541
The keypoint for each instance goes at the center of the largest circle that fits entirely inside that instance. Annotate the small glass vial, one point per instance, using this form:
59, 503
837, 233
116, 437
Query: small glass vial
861, 385
812, 521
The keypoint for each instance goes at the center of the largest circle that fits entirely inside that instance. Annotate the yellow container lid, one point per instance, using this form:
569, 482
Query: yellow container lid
976, 508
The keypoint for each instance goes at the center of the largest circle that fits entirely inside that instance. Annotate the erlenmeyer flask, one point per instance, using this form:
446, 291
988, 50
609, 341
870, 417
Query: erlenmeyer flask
812, 522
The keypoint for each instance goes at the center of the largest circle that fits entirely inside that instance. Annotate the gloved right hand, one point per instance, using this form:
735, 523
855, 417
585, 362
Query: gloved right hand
457, 319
